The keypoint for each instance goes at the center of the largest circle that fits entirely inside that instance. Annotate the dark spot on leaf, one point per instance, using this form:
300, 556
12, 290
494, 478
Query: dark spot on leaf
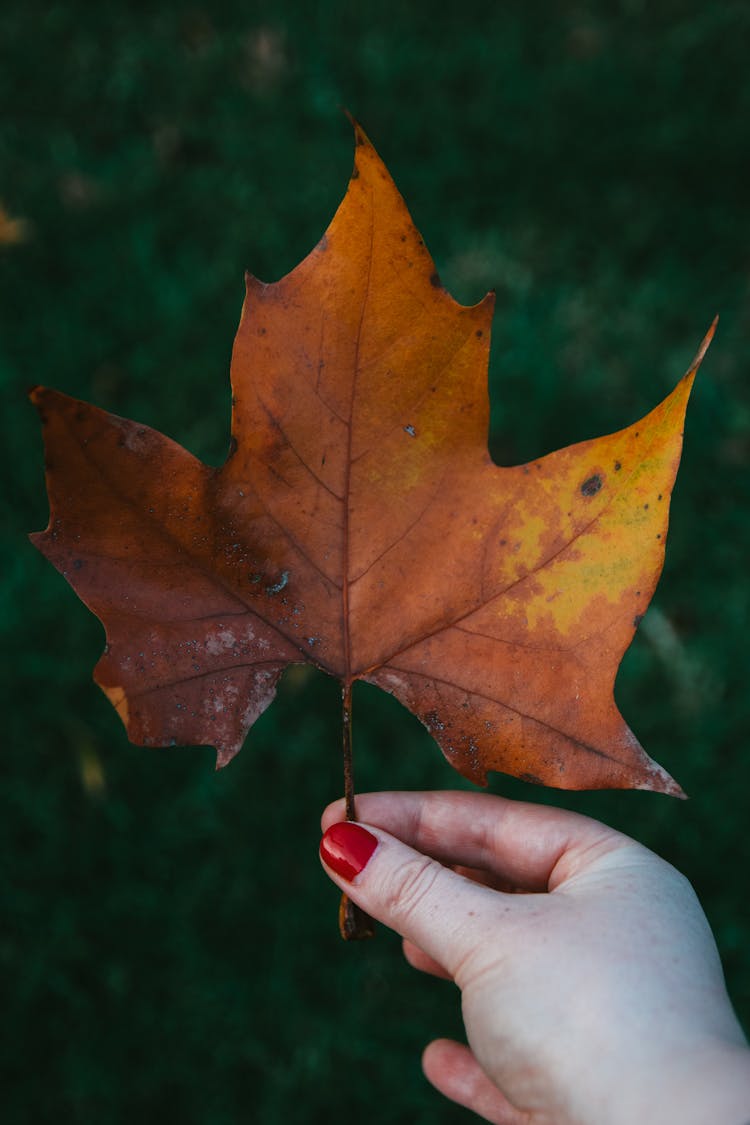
618, 466
637, 620
403, 238
658, 536
433, 721
256, 578
435, 280
355, 172
77, 564
531, 777
410, 431
479, 333
232, 447
277, 587
261, 331
591, 486
645, 507
659, 496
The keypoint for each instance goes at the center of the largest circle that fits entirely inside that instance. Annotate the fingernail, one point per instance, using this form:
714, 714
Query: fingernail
347, 847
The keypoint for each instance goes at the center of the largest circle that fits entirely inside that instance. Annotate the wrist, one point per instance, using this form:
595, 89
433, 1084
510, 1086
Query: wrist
708, 1085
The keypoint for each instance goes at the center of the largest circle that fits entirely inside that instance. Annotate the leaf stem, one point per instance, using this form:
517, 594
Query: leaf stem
354, 924
346, 739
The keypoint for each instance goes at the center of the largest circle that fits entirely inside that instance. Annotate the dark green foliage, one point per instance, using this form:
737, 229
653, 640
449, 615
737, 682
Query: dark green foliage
168, 945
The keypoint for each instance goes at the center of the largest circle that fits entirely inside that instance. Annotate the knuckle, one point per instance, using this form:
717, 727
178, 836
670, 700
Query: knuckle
412, 885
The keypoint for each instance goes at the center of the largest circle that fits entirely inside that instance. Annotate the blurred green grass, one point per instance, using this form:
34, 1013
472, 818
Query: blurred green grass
168, 945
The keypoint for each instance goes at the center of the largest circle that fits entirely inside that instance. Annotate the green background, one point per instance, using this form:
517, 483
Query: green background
168, 944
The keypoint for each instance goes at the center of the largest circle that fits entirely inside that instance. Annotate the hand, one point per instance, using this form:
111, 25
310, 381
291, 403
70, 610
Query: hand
591, 987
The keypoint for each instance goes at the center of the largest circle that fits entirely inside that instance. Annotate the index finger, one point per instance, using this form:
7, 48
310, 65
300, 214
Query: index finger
534, 847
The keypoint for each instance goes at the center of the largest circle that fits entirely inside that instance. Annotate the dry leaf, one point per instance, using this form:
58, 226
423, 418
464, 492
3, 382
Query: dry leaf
12, 231
359, 524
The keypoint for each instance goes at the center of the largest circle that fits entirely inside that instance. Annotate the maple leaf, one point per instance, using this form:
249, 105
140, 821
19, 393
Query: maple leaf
360, 525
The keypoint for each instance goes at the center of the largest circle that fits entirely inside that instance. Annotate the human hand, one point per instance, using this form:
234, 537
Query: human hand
593, 997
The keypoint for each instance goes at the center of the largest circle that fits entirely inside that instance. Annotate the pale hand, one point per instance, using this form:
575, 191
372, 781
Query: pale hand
594, 997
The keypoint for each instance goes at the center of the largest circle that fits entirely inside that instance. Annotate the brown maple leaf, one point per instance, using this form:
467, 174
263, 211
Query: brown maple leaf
359, 524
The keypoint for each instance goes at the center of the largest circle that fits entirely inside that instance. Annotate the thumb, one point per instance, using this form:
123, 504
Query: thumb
442, 912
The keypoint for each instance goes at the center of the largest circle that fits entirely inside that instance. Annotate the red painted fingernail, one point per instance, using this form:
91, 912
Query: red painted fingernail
347, 847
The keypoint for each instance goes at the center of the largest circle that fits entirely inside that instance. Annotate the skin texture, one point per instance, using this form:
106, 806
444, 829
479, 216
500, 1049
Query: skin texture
591, 988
